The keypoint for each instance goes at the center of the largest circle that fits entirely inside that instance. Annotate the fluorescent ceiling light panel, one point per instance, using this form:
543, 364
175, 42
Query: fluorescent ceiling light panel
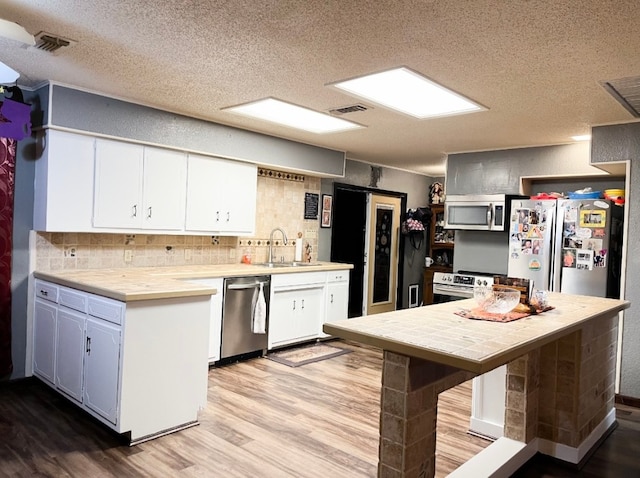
287, 114
408, 92
582, 137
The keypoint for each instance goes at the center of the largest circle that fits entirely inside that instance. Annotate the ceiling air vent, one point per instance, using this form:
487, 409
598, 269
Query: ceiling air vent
49, 42
627, 92
348, 109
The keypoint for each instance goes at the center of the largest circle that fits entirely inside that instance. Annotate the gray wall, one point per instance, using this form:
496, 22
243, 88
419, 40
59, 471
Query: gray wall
415, 185
622, 143
491, 172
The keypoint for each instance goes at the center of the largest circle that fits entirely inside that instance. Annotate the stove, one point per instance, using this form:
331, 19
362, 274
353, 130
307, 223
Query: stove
449, 286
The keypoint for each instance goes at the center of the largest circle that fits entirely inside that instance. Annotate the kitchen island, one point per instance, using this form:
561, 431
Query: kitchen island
560, 379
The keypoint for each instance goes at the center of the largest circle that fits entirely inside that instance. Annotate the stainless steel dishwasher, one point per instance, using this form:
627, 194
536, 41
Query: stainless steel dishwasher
240, 296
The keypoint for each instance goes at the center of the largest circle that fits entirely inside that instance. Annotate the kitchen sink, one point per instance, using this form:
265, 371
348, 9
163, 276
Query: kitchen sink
286, 264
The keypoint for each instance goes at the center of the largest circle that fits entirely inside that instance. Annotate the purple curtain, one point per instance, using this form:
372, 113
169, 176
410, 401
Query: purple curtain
7, 183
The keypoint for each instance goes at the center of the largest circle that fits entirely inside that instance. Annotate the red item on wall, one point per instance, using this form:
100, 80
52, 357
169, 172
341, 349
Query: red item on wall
7, 184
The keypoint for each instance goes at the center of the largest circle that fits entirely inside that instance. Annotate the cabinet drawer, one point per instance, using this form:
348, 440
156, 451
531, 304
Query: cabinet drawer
337, 276
73, 299
47, 291
107, 309
299, 278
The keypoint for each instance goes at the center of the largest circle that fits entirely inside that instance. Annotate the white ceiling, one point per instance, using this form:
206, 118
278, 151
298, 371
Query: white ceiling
535, 64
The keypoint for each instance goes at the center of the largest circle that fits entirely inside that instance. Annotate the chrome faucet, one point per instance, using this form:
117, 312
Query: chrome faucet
284, 241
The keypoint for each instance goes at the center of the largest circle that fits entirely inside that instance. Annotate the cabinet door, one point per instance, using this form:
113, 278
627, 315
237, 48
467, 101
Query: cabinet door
203, 186
44, 340
337, 306
310, 312
282, 317
70, 348
118, 185
239, 198
102, 368
164, 189
63, 190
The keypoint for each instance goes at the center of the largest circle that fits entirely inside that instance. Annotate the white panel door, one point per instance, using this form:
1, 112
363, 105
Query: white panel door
102, 368
239, 198
44, 340
118, 185
203, 192
164, 189
309, 312
70, 348
337, 306
63, 198
282, 317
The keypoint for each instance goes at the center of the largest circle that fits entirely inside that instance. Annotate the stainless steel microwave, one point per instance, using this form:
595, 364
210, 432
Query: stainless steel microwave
489, 212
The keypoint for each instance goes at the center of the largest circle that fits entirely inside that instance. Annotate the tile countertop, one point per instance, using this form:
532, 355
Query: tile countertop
436, 333
145, 283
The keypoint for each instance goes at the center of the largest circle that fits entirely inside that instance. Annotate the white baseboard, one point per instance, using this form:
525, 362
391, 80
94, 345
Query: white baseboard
505, 456
575, 455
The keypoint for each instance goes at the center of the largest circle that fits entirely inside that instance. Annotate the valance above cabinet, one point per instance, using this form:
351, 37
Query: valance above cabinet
87, 184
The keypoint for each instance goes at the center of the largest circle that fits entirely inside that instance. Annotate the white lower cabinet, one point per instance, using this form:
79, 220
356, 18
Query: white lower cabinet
70, 348
44, 340
296, 307
336, 298
102, 368
153, 382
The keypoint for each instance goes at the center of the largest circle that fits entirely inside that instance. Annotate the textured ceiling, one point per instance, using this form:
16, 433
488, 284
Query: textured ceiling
537, 65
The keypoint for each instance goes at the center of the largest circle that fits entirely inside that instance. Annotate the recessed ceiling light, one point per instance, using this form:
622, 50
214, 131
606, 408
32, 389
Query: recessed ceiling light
287, 114
582, 137
406, 91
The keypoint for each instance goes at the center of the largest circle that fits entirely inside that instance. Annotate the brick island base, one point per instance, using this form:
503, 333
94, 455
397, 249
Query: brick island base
558, 396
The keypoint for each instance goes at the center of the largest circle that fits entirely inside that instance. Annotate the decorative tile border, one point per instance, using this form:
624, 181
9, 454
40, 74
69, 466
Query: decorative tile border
270, 173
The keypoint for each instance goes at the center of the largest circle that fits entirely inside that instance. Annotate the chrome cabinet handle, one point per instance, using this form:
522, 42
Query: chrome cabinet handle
217, 216
135, 210
88, 349
149, 215
294, 305
303, 303
332, 298
44, 292
227, 216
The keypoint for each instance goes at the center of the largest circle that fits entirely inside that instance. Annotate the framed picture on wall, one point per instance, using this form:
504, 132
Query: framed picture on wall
327, 205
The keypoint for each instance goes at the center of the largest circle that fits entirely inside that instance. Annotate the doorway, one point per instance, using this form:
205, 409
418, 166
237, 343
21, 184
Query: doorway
349, 240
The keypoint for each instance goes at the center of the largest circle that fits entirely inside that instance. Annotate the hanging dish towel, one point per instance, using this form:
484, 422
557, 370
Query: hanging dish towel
259, 323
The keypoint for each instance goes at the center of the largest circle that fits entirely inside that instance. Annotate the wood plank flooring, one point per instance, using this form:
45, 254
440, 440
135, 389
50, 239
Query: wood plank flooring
263, 419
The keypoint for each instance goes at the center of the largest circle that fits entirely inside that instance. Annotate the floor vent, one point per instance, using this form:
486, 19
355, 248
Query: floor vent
49, 42
627, 92
348, 109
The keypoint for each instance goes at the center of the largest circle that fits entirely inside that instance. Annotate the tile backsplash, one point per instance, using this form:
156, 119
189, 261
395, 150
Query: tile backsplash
280, 203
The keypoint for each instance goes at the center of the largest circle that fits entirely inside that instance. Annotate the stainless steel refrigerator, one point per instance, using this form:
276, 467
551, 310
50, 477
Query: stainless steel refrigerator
567, 245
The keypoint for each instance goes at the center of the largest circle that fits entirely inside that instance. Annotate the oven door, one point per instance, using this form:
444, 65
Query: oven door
448, 293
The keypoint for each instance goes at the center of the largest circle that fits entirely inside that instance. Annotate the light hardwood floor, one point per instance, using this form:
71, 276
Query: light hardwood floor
263, 419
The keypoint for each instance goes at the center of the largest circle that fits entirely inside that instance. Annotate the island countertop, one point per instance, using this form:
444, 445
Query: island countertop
145, 283
437, 334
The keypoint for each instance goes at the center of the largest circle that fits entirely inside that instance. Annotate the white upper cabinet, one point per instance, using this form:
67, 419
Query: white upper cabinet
88, 184
63, 189
221, 195
164, 188
138, 187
